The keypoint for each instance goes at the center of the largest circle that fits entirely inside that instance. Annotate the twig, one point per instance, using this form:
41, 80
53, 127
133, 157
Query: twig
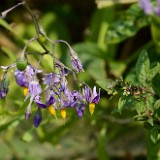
4, 13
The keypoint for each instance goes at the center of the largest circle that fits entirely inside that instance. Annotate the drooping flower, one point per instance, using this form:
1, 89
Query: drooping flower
92, 97
34, 88
75, 61
51, 79
80, 107
4, 87
76, 64
50, 104
37, 118
23, 78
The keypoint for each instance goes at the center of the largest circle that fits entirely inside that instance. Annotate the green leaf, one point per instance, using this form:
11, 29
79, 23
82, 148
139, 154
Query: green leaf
155, 84
8, 124
5, 24
140, 118
153, 72
127, 25
109, 85
143, 67
121, 104
125, 102
101, 149
6, 82
140, 107
9, 53
102, 4
27, 136
154, 134
157, 104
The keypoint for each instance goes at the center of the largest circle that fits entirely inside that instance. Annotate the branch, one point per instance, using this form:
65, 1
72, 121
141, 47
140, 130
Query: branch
4, 13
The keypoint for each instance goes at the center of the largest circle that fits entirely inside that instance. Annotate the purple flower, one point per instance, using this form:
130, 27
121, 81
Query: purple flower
80, 107
23, 78
20, 78
51, 79
148, 8
76, 64
75, 61
92, 97
37, 118
3, 92
51, 101
34, 88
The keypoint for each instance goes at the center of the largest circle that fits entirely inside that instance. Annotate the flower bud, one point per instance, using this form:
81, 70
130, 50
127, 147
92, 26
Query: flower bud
4, 87
37, 118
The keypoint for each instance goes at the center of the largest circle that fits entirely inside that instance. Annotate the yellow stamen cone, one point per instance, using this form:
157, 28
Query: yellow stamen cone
63, 113
25, 91
91, 108
52, 110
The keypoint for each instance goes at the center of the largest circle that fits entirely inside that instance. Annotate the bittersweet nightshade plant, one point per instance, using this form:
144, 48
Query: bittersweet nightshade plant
50, 91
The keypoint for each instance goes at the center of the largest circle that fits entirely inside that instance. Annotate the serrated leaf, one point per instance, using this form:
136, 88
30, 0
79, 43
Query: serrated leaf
143, 67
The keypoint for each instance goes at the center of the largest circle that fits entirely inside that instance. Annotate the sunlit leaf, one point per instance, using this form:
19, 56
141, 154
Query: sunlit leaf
127, 25
103, 3
153, 72
143, 67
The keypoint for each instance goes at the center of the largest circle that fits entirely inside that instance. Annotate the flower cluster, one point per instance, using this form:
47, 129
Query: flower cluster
52, 91
149, 8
